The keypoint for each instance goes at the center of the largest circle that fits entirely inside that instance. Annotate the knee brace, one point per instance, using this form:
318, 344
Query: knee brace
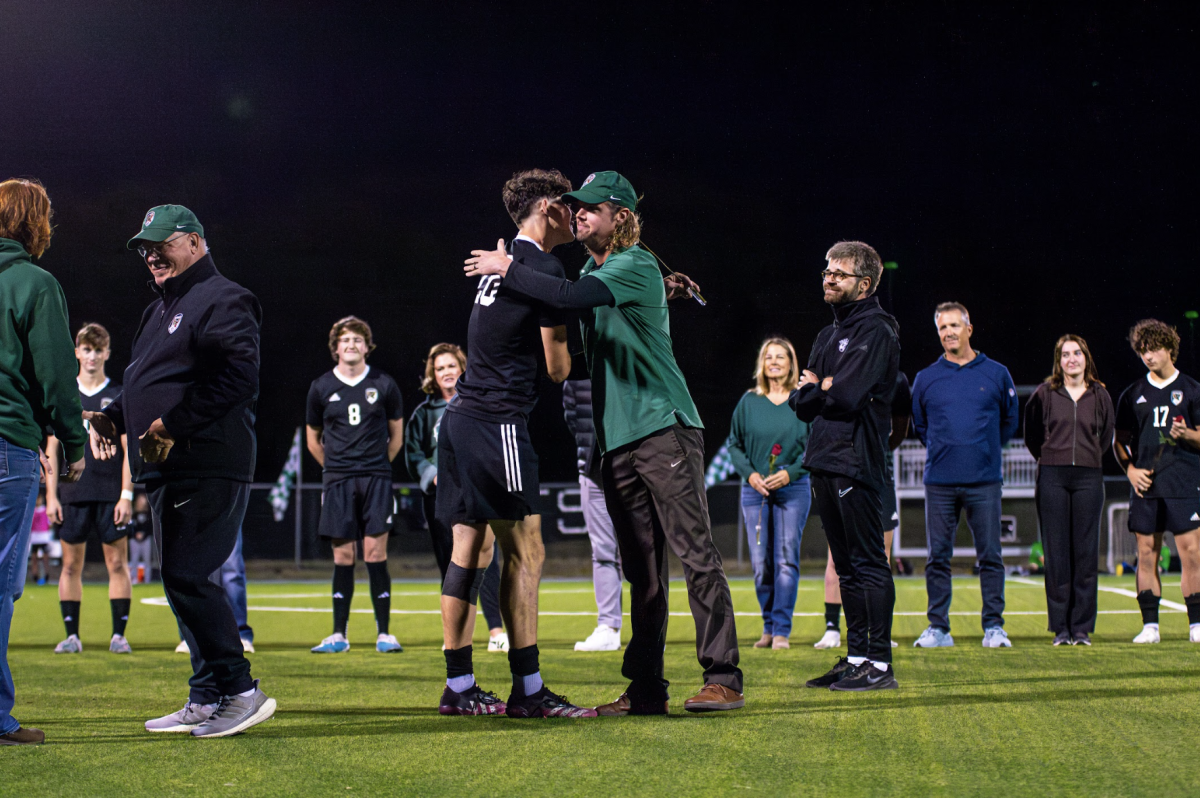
462, 583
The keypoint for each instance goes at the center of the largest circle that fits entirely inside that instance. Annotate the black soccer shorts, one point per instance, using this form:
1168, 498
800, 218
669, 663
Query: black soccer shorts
487, 470
1154, 516
80, 520
354, 507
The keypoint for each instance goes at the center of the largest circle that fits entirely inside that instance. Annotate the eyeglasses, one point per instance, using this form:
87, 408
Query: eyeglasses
157, 249
837, 277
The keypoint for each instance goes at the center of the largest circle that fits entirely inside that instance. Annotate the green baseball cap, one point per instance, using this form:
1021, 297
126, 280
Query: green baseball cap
605, 187
164, 221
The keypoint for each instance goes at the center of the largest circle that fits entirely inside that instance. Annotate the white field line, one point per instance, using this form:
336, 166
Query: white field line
1120, 591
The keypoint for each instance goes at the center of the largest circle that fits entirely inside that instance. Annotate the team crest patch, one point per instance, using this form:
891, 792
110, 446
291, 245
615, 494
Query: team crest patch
1176, 397
372, 396
175, 323
149, 218
590, 178
842, 344
105, 402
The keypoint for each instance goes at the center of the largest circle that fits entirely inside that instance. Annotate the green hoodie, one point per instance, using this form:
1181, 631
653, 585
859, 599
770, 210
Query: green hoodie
37, 357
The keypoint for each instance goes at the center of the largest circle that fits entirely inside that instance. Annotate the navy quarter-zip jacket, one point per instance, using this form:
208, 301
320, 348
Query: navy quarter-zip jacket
852, 420
195, 365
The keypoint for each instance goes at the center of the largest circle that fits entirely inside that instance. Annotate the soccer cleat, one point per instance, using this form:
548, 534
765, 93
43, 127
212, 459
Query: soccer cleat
186, 719
334, 644
72, 645
1194, 633
182, 648
996, 637
119, 645
1081, 639
545, 704
498, 644
866, 677
603, 638
840, 668
1063, 639
472, 701
934, 638
385, 644
247, 645
1149, 634
234, 714
831, 639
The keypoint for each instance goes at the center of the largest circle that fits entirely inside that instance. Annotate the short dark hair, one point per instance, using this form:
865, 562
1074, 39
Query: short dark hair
1150, 334
94, 335
945, 306
864, 257
353, 324
524, 190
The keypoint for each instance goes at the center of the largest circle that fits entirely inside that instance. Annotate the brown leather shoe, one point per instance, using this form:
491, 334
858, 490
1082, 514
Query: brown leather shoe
714, 698
779, 641
625, 706
763, 642
23, 736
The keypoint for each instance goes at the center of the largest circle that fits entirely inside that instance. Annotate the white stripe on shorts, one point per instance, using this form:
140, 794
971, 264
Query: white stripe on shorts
512, 462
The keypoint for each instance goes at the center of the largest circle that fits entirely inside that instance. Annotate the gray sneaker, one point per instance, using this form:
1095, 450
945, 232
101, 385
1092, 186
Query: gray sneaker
996, 637
119, 645
934, 638
186, 719
235, 714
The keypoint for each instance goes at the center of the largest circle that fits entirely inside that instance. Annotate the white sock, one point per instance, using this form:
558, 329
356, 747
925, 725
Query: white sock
856, 661
1193, 625
532, 683
248, 693
460, 684
1151, 626
883, 666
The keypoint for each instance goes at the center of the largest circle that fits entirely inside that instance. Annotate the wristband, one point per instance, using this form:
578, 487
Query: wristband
127, 495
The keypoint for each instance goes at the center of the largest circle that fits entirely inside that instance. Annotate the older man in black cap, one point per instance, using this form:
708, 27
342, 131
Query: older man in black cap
189, 399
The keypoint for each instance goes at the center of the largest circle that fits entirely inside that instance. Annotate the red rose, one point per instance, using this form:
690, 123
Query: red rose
776, 450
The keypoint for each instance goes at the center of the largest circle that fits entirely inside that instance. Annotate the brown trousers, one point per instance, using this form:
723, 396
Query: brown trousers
654, 488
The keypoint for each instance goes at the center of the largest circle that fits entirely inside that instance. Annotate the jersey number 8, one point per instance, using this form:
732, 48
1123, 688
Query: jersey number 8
355, 414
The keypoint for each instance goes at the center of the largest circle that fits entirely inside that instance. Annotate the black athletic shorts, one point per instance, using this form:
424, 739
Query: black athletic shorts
1153, 516
354, 507
80, 520
487, 470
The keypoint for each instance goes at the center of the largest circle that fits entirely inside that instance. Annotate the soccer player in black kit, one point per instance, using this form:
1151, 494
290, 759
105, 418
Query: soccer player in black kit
487, 469
1158, 446
355, 430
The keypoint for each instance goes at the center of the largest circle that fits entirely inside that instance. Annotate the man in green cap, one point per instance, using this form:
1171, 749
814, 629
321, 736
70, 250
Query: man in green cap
651, 438
189, 398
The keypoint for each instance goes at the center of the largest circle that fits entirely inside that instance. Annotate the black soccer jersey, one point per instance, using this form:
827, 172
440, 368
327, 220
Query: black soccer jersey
101, 479
1145, 410
506, 360
353, 416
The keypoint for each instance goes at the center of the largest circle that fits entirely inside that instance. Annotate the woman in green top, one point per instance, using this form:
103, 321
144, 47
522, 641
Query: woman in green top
766, 443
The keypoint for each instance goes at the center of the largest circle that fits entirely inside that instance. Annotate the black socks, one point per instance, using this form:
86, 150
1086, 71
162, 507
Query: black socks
833, 613
343, 593
381, 594
120, 614
1193, 608
70, 616
458, 662
1149, 605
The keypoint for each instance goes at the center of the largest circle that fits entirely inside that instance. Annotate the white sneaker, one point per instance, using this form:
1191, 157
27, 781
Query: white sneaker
996, 637
247, 645
895, 644
186, 719
1149, 634
72, 645
119, 645
498, 644
1194, 633
831, 639
182, 648
604, 638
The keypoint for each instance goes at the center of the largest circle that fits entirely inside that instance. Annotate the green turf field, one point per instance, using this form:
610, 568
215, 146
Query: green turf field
1032, 720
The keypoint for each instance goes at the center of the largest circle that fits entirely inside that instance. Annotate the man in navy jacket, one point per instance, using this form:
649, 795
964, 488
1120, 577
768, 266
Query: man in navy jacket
189, 400
964, 410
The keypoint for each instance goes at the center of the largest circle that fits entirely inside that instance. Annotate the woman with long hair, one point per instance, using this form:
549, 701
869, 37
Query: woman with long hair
1068, 425
766, 444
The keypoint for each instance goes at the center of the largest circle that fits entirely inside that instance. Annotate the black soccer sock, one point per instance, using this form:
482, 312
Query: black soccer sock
381, 594
1149, 604
120, 614
522, 662
70, 614
458, 662
343, 594
833, 615
1193, 607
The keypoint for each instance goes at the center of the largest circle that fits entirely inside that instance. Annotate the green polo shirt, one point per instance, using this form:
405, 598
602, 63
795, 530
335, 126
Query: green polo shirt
637, 387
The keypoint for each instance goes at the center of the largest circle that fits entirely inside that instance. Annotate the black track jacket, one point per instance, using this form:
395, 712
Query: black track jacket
195, 365
851, 421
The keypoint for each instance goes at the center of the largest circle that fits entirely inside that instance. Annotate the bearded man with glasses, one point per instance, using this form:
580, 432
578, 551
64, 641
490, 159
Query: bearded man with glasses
189, 398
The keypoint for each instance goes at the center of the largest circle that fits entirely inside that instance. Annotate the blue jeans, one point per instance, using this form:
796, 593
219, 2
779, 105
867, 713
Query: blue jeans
782, 516
943, 504
18, 494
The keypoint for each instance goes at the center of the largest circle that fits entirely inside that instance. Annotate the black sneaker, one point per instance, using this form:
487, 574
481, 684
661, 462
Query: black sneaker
866, 677
545, 704
472, 701
841, 668
1063, 639
1081, 639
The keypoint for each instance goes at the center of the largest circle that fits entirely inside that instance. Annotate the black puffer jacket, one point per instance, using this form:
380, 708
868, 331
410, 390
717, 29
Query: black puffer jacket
577, 410
851, 421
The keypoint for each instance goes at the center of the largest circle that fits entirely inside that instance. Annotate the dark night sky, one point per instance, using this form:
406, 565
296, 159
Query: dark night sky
1032, 161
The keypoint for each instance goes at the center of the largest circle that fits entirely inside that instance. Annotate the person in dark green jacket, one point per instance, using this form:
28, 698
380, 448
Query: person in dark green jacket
766, 443
37, 390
